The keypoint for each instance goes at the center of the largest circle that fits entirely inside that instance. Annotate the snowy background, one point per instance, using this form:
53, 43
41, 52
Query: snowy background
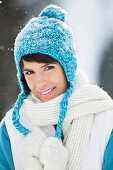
92, 24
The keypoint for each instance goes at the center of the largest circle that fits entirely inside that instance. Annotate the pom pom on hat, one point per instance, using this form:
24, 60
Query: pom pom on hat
53, 11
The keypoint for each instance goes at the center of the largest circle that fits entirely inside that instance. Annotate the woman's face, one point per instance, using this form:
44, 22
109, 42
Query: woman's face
45, 80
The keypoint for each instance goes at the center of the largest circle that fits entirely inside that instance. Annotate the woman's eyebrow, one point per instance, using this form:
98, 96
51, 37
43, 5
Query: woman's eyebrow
48, 64
26, 69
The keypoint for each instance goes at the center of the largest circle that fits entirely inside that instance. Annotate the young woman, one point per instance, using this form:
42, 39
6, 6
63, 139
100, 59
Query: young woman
60, 121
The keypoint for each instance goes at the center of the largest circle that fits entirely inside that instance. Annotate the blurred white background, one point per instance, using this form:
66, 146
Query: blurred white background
92, 22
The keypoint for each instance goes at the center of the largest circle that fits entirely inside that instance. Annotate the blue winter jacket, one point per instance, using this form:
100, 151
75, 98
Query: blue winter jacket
6, 160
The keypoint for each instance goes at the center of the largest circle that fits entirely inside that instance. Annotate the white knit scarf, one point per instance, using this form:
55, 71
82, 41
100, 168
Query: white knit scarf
85, 102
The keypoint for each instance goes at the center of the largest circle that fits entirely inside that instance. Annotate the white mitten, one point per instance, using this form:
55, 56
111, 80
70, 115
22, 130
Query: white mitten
30, 150
53, 154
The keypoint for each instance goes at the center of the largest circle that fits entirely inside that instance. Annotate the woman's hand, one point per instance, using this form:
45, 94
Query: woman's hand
30, 150
53, 154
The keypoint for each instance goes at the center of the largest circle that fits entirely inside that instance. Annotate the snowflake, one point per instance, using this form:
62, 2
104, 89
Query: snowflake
1, 47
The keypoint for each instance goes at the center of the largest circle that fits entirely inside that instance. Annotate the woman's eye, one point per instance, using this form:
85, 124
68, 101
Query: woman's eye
28, 72
49, 67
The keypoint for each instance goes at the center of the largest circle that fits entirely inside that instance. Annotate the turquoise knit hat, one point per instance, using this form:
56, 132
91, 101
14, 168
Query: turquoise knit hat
47, 34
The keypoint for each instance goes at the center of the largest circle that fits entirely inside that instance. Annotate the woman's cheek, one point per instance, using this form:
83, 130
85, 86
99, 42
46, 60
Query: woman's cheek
30, 82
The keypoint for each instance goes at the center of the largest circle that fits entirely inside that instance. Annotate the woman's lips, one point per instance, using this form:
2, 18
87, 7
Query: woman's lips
47, 93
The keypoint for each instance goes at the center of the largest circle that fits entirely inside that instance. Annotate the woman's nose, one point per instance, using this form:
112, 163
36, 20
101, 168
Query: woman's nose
41, 82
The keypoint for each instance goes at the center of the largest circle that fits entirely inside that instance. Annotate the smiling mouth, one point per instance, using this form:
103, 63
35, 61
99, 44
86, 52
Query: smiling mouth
47, 93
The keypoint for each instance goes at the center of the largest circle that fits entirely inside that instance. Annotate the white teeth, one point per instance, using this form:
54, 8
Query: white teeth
47, 91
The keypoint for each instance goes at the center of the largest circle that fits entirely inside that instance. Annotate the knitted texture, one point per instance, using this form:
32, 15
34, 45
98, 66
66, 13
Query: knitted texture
48, 34
16, 115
